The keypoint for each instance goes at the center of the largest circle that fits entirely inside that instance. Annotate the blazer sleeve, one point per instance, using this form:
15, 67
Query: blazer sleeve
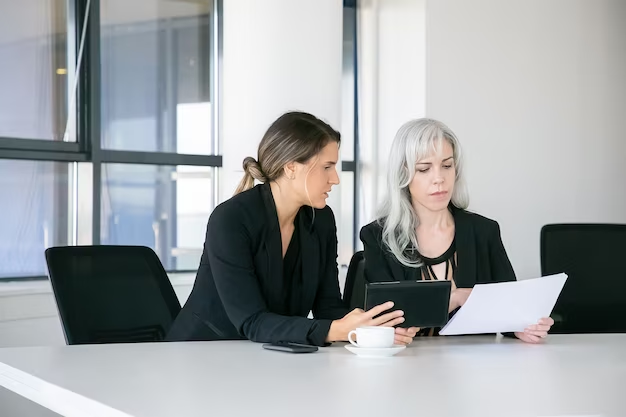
229, 249
376, 264
501, 268
328, 303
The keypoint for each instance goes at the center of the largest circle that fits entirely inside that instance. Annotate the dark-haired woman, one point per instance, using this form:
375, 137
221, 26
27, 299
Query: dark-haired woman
270, 255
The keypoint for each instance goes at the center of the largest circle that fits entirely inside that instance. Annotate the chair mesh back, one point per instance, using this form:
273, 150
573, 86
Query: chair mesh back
594, 297
111, 294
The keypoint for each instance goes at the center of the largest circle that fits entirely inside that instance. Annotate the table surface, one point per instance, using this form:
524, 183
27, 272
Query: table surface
568, 375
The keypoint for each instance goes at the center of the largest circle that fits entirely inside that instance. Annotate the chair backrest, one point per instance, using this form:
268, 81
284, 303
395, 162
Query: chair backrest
593, 299
354, 289
111, 294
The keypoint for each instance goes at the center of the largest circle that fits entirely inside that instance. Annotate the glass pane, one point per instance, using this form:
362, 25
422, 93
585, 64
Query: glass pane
345, 219
347, 85
162, 207
33, 70
156, 75
34, 207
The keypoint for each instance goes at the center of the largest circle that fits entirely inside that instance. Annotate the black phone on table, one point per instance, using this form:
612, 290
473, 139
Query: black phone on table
290, 347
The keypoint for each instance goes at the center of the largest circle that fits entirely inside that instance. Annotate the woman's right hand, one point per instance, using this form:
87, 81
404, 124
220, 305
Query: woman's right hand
339, 329
458, 298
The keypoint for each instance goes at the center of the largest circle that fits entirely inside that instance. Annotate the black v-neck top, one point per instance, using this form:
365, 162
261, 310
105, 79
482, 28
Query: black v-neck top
292, 277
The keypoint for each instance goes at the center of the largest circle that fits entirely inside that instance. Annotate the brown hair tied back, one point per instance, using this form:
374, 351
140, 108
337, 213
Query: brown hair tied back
293, 137
252, 171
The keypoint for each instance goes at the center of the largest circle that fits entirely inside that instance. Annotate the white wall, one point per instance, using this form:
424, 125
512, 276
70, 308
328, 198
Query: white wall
279, 55
536, 92
392, 48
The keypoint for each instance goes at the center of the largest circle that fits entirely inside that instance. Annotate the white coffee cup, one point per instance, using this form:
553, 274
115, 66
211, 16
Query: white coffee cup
372, 337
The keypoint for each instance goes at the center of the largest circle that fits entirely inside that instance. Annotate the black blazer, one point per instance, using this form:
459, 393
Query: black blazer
241, 273
481, 257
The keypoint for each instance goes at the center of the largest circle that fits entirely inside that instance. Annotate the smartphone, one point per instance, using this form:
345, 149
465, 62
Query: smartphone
290, 347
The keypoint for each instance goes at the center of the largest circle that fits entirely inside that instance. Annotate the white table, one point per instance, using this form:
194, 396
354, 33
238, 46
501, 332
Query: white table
446, 376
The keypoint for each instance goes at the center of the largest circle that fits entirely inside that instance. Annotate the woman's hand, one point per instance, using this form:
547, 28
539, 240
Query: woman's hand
537, 332
405, 336
339, 329
458, 298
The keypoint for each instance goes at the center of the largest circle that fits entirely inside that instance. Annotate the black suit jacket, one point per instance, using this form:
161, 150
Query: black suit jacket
241, 274
481, 257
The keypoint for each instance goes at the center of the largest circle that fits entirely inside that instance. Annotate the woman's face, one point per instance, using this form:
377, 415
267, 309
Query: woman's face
315, 178
433, 183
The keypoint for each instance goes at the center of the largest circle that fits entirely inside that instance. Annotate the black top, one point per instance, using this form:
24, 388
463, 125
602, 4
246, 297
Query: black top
480, 254
239, 289
448, 257
292, 277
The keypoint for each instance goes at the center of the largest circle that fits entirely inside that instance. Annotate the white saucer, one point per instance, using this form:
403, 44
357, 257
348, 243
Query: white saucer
375, 352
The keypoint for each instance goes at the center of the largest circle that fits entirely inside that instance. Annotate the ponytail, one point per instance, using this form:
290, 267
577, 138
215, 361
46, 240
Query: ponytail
252, 171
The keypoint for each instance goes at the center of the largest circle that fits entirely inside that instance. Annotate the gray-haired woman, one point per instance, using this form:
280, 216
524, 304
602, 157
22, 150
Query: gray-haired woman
423, 230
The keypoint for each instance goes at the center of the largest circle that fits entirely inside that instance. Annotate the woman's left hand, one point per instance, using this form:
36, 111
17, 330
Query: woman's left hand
405, 336
537, 332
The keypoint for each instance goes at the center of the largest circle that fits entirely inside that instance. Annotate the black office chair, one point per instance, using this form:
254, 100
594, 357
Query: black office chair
354, 289
111, 294
593, 299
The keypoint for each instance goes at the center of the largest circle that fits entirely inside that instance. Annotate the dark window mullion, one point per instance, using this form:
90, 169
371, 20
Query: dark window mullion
348, 166
38, 155
351, 8
159, 158
38, 145
88, 102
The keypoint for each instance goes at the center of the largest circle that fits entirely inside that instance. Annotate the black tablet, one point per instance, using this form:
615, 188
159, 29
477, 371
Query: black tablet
425, 303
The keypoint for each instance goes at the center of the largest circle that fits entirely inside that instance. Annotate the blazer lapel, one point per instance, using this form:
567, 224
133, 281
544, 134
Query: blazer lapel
465, 250
310, 253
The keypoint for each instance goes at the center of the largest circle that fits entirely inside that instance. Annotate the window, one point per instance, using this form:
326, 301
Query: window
34, 73
347, 219
35, 214
345, 225
155, 69
139, 164
163, 207
157, 97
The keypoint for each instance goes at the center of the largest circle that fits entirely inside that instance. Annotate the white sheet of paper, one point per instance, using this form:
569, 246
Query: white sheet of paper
506, 306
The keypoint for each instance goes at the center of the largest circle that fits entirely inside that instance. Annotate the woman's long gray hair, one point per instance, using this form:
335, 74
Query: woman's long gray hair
415, 140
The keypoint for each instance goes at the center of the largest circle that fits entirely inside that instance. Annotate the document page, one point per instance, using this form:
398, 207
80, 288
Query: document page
506, 306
